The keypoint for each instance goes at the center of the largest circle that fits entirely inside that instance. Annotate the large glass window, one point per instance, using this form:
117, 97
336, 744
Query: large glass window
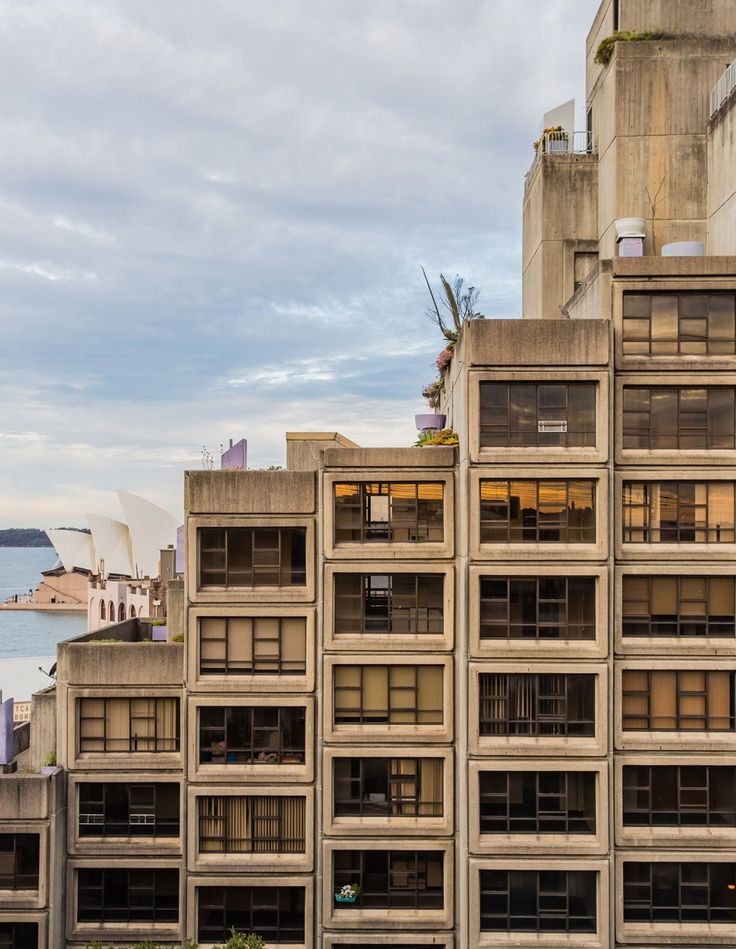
391, 879
538, 901
128, 810
392, 695
252, 645
121, 726
679, 606
399, 512
252, 735
677, 417
537, 608
19, 854
252, 556
387, 787
678, 512
679, 892
537, 414
127, 895
537, 704
18, 935
679, 324
679, 796
537, 802
398, 603
251, 824
672, 700
537, 512
276, 913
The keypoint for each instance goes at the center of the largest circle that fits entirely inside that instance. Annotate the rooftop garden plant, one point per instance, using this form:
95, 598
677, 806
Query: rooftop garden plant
604, 53
429, 437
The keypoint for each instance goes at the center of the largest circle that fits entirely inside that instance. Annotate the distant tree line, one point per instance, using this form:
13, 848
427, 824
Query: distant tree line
23, 537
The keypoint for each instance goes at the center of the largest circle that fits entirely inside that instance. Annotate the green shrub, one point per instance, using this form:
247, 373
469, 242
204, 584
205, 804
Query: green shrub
604, 53
243, 941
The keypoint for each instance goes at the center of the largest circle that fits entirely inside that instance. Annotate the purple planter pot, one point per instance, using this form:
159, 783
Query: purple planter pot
431, 421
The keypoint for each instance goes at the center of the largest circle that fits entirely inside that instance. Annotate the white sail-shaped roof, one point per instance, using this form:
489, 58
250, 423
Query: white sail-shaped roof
151, 530
75, 549
112, 545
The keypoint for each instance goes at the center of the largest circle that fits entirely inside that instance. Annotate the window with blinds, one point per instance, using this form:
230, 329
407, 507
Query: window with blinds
537, 512
674, 700
253, 645
537, 705
391, 879
388, 787
392, 695
678, 512
19, 856
679, 606
399, 603
251, 824
123, 726
397, 512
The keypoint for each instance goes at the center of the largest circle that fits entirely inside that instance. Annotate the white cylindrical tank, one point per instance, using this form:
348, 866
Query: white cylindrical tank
684, 249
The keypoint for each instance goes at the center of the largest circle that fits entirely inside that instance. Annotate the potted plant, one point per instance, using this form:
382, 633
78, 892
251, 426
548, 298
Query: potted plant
348, 893
49, 765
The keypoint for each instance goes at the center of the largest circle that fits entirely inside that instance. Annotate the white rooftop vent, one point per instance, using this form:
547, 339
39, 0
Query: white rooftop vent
630, 227
684, 249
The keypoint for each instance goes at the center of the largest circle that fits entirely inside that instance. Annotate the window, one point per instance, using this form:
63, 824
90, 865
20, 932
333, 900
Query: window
391, 879
537, 512
19, 861
537, 415
679, 324
387, 787
671, 700
252, 556
678, 512
251, 824
537, 802
18, 935
679, 892
253, 645
543, 901
537, 608
531, 704
128, 810
392, 695
128, 725
679, 796
276, 913
252, 735
127, 895
679, 606
681, 418
399, 603
394, 513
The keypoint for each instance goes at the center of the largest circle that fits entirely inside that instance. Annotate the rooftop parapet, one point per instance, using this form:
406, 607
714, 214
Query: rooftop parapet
428, 457
249, 492
491, 343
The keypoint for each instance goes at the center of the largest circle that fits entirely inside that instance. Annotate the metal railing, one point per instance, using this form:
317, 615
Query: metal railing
723, 89
563, 143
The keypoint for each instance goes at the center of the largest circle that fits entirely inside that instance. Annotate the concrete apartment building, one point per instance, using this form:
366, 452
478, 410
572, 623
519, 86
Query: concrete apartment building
492, 685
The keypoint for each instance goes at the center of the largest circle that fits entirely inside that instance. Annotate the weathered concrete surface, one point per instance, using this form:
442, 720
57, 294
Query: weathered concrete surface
120, 663
721, 237
532, 343
249, 492
440, 456
24, 796
303, 448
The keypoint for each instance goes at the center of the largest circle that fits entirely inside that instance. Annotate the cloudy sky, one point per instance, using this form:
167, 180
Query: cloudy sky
213, 216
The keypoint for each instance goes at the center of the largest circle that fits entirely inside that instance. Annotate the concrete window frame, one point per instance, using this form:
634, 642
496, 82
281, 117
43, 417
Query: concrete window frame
390, 826
674, 741
88, 932
389, 642
399, 919
249, 862
110, 761
37, 897
248, 683
41, 919
695, 934
387, 551
686, 551
94, 846
597, 940
231, 595
533, 648
665, 284
702, 838
539, 844
196, 880
216, 774
545, 551
536, 456
670, 456
370, 734
659, 646
562, 746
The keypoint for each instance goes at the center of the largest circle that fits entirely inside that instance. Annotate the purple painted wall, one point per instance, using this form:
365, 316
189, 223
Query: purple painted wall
235, 458
6, 732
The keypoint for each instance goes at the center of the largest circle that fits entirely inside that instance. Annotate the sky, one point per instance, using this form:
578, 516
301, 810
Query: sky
213, 217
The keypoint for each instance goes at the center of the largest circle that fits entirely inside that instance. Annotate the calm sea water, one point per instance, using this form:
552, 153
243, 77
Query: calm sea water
27, 632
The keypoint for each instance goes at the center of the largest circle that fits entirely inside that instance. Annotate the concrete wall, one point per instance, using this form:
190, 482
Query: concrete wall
531, 343
249, 492
303, 448
721, 237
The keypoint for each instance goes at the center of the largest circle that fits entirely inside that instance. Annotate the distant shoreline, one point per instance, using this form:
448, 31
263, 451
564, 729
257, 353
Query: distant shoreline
45, 607
24, 537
